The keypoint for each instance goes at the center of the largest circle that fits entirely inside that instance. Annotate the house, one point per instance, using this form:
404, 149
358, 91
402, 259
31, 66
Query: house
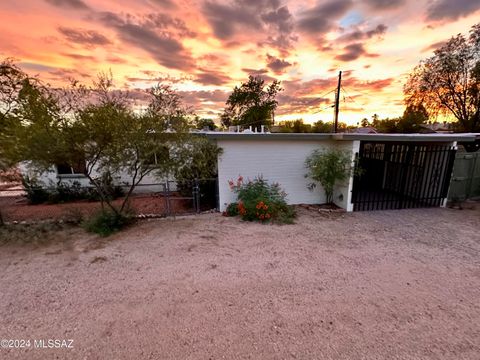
364, 130
398, 170
68, 174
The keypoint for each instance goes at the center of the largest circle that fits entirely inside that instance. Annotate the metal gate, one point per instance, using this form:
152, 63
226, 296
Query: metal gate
466, 176
401, 175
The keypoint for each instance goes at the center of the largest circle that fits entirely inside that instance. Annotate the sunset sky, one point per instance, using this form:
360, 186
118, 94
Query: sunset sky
205, 48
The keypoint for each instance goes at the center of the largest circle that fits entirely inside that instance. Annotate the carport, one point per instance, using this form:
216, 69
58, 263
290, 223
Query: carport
403, 171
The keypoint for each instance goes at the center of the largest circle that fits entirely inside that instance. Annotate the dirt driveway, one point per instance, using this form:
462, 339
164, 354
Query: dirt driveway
374, 285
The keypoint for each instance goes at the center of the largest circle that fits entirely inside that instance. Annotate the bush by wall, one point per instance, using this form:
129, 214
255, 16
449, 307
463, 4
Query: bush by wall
260, 201
328, 168
37, 193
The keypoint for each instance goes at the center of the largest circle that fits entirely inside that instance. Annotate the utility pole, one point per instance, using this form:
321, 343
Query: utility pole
337, 101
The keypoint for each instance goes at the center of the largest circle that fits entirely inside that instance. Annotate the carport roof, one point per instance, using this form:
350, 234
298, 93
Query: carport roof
218, 135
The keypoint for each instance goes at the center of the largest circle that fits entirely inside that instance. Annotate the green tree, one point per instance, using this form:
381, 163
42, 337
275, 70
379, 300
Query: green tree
364, 122
12, 81
295, 126
252, 103
322, 127
328, 168
112, 139
201, 124
449, 82
411, 121
101, 130
413, 118
388, 125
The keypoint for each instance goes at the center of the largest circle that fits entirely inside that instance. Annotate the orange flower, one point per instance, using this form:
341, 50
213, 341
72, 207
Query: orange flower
265, 207
267, 216
262, 216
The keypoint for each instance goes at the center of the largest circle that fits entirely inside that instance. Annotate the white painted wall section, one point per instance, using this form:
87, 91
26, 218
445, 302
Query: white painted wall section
281, 161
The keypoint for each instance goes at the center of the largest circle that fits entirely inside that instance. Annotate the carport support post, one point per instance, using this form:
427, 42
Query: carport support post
355, 151
445, 200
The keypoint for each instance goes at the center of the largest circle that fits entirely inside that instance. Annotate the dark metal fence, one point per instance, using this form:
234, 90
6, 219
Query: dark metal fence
401, 175
169, 198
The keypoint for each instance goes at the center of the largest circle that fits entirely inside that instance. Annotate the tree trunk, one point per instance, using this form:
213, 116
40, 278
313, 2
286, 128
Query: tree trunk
103, 197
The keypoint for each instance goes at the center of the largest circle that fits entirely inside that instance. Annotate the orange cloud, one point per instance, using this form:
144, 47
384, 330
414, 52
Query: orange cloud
206, 48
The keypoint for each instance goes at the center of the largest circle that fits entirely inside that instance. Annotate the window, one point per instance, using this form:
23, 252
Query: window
156, 157
78, 168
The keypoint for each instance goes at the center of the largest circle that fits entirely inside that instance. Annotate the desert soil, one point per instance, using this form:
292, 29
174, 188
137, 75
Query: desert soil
370, 285
17, 209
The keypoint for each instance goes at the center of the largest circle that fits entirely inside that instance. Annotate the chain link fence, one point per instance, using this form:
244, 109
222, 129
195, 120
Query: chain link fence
71, 204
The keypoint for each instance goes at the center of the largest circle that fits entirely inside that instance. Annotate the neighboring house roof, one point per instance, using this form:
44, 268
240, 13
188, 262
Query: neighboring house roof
438, 126
365, 130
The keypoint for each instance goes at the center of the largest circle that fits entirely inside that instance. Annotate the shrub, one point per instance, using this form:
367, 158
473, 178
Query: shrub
260, 201
65, 192
107, 222
328, 168
232, 209
35, 193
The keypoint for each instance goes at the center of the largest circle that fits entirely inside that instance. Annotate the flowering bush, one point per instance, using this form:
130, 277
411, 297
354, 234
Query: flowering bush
260, 201
232, 209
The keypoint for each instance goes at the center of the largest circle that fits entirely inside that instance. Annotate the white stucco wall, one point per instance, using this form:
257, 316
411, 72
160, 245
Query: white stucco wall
281, 161
51, 178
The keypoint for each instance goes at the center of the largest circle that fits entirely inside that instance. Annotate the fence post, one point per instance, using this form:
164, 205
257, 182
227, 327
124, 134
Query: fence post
196, 196
166, 192
217, 195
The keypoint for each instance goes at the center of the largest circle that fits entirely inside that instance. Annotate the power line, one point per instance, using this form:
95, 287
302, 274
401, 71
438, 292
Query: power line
326, 107
362, 93
348, 96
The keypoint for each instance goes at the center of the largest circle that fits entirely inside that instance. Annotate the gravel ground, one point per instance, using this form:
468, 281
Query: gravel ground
374, 285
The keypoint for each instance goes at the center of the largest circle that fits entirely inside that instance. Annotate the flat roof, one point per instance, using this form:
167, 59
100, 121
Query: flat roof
464, 137
224, 135
405, 137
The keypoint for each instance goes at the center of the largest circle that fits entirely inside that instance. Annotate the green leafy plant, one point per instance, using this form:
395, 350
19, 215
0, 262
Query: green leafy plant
328, 167
199, 169
63, 192
260, 201
232, 209
107, 222
34, 192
